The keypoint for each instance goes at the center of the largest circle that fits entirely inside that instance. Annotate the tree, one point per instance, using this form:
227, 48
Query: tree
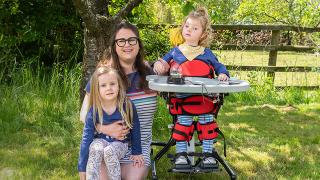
99, 25
289, 12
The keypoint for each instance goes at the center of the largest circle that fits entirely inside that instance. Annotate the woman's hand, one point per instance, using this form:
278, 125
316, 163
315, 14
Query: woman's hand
161, 67
223, 77
137, 160
116, 130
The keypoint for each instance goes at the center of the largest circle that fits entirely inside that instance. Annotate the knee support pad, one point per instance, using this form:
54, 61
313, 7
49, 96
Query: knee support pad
207, 131
182, 132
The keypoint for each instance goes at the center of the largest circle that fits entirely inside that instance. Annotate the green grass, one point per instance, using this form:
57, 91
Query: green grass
264, 142
271, 133
40, 130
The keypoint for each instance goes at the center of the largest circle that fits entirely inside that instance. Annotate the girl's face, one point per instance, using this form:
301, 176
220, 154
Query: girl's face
127, 46
192, 31
108, 86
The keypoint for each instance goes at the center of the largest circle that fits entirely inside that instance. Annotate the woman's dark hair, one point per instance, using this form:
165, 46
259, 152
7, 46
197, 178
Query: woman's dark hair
139, 63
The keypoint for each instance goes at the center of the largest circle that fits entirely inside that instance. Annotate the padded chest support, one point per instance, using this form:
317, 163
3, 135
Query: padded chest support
194, 68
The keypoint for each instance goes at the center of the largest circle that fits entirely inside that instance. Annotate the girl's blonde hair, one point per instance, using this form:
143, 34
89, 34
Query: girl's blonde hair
123, 103
202, 15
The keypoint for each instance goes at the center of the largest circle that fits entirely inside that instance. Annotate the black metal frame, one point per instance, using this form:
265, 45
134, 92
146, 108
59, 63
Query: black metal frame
195, 168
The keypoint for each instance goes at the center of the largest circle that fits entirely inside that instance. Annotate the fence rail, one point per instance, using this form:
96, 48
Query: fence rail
274, 68
280, 47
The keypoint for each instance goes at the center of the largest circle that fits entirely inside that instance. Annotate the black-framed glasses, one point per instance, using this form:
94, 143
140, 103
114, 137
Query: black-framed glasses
122, 42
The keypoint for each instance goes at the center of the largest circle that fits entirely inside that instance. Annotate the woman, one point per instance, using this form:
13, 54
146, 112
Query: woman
127, 56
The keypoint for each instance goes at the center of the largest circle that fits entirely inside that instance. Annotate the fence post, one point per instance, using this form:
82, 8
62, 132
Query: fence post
273, 53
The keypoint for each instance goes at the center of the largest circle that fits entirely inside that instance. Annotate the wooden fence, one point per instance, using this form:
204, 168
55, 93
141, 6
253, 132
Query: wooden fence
273, 47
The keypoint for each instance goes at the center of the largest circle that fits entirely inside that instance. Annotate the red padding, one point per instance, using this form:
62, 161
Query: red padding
193, 105
207, 131
182, 132
194, 68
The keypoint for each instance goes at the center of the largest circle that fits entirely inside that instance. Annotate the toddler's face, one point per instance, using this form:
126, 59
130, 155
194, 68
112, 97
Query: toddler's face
192, 31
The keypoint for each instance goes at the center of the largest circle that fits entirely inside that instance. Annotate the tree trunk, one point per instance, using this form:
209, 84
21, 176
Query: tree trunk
94, 46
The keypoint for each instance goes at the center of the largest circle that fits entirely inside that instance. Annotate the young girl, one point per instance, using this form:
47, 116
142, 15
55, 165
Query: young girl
189, 58
108, 103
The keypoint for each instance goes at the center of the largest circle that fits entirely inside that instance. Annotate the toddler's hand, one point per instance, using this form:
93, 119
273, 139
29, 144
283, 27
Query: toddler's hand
223, 77
161, 67
137, 160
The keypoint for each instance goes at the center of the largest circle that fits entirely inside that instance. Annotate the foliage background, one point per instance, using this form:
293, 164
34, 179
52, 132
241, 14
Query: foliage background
48, 32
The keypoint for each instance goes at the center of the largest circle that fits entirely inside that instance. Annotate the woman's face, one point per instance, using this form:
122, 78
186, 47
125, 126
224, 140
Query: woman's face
127, 46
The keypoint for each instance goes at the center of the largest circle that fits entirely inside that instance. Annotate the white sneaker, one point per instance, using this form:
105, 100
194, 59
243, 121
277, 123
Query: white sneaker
209, 161
181, 160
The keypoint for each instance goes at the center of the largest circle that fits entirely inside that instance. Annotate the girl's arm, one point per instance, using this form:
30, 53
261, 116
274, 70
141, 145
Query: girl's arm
219, 68
87, 138
161, 66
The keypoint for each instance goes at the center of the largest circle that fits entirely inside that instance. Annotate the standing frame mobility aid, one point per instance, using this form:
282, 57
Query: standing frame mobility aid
196, 167
203, 86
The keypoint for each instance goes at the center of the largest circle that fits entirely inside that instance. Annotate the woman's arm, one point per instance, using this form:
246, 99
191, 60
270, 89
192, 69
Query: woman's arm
84, 108
87, 138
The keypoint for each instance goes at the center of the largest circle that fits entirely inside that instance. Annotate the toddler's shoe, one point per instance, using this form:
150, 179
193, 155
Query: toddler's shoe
181, 160
209, 161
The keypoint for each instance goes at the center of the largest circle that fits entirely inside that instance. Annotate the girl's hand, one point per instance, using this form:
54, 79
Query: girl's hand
116, 130
82, 175
137, 160
161, 67
223, 77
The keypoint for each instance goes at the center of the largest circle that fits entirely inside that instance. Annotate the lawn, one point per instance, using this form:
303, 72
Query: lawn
264, 142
